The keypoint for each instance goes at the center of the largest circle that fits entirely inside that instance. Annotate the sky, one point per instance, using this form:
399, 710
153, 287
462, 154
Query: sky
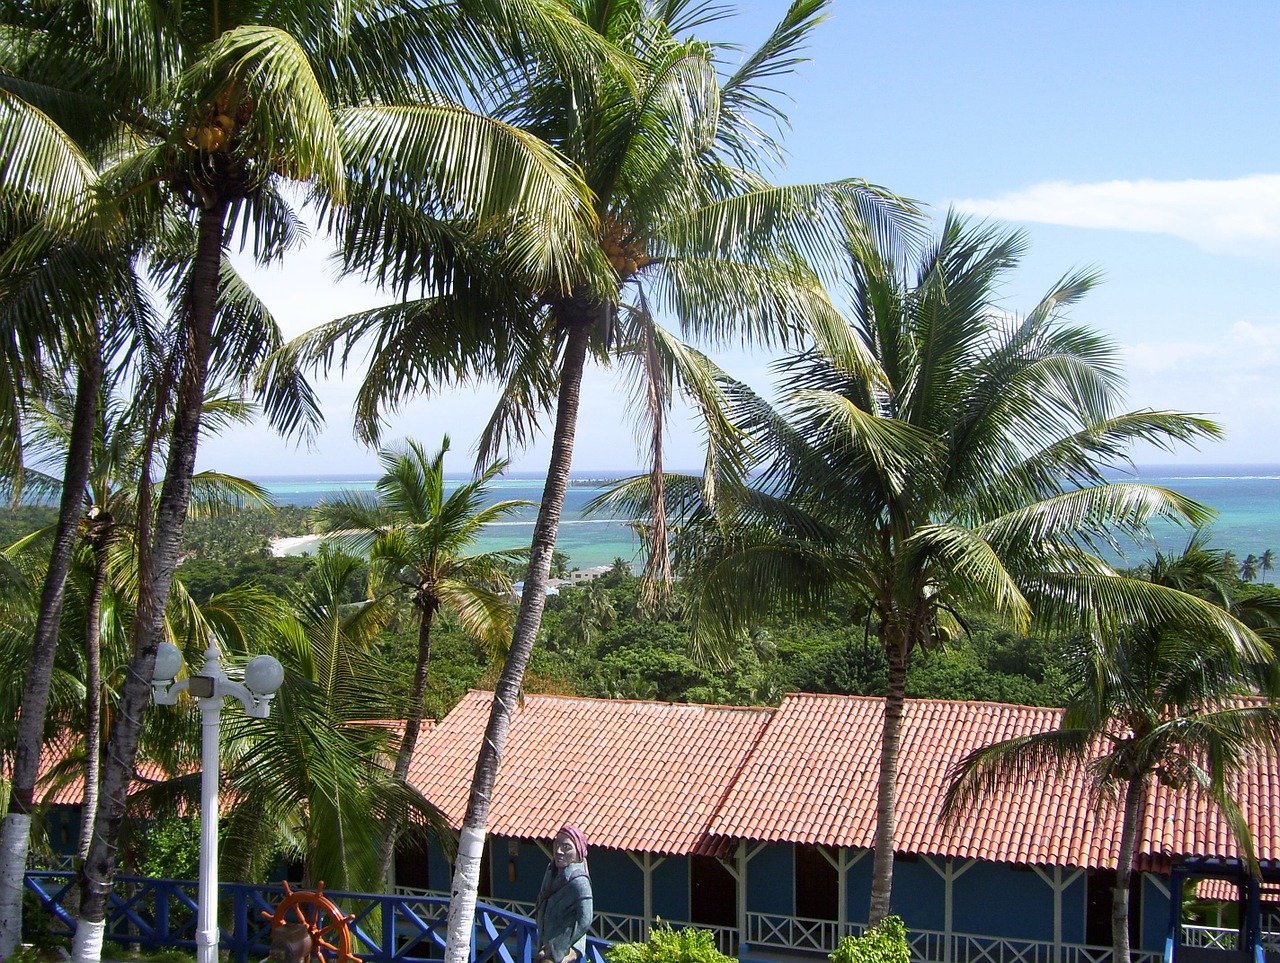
1141, 139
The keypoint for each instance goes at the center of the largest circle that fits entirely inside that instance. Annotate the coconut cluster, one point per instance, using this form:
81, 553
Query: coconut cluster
622, 248
217, 128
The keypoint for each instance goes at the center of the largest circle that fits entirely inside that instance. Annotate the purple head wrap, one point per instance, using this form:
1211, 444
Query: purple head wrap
579, 840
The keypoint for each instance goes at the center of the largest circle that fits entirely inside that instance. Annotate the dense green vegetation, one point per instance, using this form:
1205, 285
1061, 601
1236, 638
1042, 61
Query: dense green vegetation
918, 517
602, 640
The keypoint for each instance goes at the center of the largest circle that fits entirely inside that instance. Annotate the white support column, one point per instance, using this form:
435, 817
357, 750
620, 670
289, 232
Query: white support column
1058, 881
207, 910
949, 874
843, 861
647, 864
742, 856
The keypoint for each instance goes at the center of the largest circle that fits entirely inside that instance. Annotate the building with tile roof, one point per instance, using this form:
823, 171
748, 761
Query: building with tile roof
759, 821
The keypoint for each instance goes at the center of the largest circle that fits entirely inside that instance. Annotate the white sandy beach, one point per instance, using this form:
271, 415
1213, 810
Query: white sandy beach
295, 545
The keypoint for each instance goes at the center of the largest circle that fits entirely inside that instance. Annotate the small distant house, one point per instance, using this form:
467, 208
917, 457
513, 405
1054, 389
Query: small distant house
758, 823
589, 574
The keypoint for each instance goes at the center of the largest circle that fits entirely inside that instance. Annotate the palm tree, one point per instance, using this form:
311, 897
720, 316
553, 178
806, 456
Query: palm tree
674, 152
230, 110
60, 278
1249, 567
110, 514
1157, 701
314, 776
415, 537
591, 611
951, 458
1267, 562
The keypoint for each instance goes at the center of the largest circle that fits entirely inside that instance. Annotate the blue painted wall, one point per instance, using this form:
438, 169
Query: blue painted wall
617, 882
918, 893
1155, 914
858, 890
1009, 900
769, 880
989, 898
671, 889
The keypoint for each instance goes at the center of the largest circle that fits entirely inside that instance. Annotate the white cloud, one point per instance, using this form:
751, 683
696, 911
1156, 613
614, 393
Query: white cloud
1231, 379
1240, 215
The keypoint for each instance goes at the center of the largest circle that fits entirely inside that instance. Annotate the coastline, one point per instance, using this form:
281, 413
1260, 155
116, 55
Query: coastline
1245, 496
295, 545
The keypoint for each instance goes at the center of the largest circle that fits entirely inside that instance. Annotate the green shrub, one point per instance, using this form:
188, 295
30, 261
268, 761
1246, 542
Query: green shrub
170, 849
36, 929
165, 956
885, 942
666, 945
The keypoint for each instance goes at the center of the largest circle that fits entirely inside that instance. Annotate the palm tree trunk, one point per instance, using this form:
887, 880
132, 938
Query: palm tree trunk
657, 567
1133, 805
162, 554
93, 696
412, 726
15, 836
466, 873
886, 793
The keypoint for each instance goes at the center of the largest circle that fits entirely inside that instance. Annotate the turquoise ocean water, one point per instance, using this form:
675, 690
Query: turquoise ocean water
1246, 497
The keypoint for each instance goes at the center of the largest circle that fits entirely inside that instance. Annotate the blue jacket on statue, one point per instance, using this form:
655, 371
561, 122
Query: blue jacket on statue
564, 911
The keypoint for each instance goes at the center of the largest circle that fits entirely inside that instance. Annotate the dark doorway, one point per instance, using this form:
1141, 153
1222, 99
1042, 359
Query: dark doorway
1097, 920
411, 866
817, 885
713, 893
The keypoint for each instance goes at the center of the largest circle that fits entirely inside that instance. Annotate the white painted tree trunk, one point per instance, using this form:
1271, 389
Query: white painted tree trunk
15, 840
462, 900
86, 946
506, 694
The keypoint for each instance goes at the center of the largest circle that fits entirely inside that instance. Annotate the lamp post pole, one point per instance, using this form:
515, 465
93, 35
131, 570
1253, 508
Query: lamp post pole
262, 677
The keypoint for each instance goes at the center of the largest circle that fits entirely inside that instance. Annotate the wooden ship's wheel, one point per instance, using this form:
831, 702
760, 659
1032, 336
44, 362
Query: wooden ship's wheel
308, 928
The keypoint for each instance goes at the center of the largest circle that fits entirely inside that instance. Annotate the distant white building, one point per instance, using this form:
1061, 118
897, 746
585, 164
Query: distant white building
586, 574
577, 577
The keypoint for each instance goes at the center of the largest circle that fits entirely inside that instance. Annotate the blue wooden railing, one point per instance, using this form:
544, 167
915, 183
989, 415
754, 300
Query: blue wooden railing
386, 928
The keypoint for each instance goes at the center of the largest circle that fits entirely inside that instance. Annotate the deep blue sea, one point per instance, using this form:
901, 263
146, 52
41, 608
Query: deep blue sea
1246, 497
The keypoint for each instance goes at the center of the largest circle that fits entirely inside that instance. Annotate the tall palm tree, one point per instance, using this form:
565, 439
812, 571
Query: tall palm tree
674, 150
109, 517
591, 611
60, 275
1159, 701
314, 776
1267, 562
415, 538
952, 458
1249, 567
215, 109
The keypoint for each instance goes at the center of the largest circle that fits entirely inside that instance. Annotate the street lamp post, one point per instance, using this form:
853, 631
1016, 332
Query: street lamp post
262, 678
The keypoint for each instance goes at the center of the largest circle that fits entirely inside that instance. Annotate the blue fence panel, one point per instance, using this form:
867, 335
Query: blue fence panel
386, 928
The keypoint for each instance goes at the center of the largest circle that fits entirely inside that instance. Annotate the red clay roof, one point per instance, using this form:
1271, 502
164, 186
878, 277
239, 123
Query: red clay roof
674, 778
640, 776
813, 780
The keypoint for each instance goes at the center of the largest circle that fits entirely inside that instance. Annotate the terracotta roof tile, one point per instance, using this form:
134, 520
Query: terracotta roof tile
671, 778
834, 741
639, 776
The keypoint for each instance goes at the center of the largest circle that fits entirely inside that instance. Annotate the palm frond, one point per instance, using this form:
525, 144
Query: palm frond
1010, 762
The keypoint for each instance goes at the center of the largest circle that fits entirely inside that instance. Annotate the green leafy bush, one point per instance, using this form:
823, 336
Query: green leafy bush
666, 945
170, 849
36, 930
885, 942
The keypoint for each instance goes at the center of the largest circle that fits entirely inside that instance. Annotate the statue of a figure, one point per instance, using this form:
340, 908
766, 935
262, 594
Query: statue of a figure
564, 909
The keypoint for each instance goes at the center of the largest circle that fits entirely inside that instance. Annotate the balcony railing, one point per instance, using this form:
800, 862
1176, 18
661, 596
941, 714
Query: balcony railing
410, 926
787, 933
393, 928
607, 927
